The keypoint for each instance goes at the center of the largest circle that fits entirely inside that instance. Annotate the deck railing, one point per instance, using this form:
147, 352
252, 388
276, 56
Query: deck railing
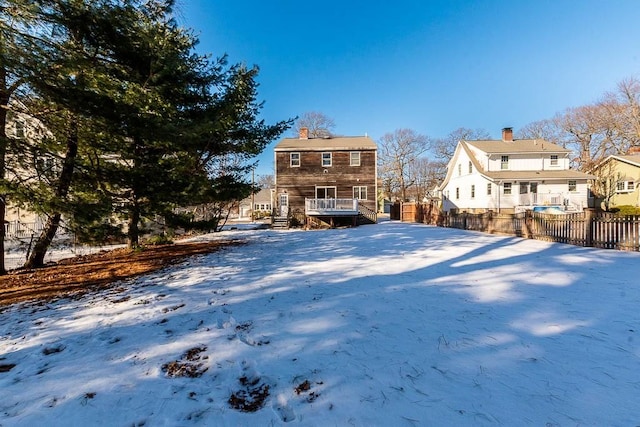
331, 206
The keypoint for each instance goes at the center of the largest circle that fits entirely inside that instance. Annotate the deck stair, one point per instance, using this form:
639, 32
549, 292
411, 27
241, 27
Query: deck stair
366, 215
280, 223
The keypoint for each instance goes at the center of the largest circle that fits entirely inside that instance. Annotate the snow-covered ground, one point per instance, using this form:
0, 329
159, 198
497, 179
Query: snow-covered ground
387, 325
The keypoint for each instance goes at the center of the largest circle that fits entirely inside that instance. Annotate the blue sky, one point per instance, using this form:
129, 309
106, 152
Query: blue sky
431, 66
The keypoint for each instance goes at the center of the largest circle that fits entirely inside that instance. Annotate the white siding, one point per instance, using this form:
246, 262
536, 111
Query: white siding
527, 162
548, 193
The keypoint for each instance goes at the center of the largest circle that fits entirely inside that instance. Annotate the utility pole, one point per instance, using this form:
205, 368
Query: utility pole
253, 194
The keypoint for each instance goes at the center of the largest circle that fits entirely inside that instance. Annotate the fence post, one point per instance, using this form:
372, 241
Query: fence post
588, 227
528, 218
489, 216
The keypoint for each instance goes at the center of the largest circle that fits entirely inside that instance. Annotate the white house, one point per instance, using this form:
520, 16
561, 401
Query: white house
510, 175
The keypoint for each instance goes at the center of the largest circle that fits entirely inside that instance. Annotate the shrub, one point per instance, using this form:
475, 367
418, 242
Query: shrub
159, 239
625, 210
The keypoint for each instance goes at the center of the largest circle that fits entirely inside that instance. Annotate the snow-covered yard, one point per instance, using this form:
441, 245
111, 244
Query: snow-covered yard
391, 324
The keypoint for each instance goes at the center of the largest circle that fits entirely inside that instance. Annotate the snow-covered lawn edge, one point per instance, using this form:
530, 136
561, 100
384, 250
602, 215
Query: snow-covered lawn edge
390, 324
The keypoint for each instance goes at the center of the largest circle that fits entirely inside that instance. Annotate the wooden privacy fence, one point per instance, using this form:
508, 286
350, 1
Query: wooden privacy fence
428, 213
588, 228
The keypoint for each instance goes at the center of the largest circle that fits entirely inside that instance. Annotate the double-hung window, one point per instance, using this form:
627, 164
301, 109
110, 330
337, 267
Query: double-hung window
354, 158
506, 188
294, 160
625, 186
554, 160
572, 186
326, 160
360, 193
504, 162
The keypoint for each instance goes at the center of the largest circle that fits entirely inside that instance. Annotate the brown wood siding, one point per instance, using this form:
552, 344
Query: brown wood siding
300, 182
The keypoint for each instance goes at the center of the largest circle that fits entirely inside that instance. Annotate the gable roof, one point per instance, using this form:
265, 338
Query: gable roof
517, 146
322, 144
631, 159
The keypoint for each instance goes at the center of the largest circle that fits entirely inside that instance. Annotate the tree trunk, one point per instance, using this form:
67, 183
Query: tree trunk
36, 258
133, 232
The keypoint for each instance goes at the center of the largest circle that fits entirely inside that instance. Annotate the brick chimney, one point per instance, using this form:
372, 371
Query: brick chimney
634, 150
304, 133
507, 134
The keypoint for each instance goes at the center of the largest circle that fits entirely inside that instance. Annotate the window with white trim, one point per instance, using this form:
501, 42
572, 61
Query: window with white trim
294, 160
506, 188
354, 158
573, 185
473, 191
554, 160
326, 160
360, 193
459, 169
489, 189
625, 186
470, 167
504, 162
457, 193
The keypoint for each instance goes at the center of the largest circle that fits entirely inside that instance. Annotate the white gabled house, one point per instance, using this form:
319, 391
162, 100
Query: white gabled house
510, 176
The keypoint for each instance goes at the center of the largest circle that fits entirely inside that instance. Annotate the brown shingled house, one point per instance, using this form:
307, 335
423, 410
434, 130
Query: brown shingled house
325, 181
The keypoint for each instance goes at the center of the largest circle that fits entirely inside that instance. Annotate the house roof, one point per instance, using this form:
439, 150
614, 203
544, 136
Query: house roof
517, 146
322, 144
631, 159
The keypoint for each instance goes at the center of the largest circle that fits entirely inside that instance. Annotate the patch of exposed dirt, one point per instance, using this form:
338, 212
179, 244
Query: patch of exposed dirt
76, 276
190, 364
251, 396
304, 389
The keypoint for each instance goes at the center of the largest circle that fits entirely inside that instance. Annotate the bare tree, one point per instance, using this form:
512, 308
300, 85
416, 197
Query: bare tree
585, 132
547, 129
397, 152
426, 175
318, 124
621, 113
265, 181
444, 148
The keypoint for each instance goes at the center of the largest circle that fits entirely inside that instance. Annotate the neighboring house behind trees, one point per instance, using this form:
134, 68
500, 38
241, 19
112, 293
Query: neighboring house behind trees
618, 180
329, 180
258, 205
510, 175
